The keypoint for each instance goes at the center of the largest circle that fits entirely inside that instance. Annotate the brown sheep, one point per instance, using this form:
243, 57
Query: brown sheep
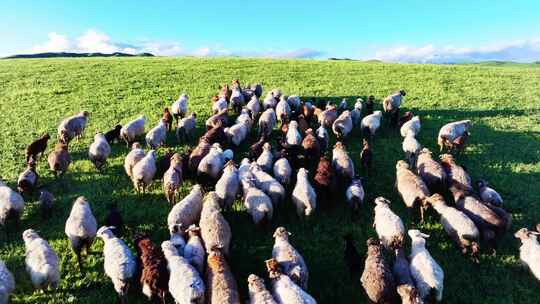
457, 176
37, 147
215, 134
167, 119
28, 179
325, 181
377, 278
256, 149
59, 159
366, 155
431, 172
221, 285
154, 273
197, 155
217, 120
411, 188
312, 148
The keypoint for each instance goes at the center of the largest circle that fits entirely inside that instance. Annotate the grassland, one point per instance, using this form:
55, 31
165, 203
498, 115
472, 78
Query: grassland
504, 104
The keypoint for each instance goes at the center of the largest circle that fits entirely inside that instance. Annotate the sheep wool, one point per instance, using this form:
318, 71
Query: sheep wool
219, 105
172, 179
411, 187
284, 289
341, 161
282, 171
451, 131
431, 172
457, 176
212, 163
293, 136
355, 194
268, 184
215, 230
72, 127
529, 252
372, 122
185, 127
7, 283
154, 276
388, 225
294, 102
28, 179
132, 130
488, 194
228, 185
237, 133
254, 106
269, 101
133, 157
194, 251
188, 211
144, 170
412, 148
427, 274
343, 125
81, 227
221, 284
289, 259
180, 107
283, 110
412, 126
257, 203
266, 159
258, 294
99, 151
177, 238
156, 136
322, 136
356, 113
303, 195
377, 278
11, 204
41, 261
267, 122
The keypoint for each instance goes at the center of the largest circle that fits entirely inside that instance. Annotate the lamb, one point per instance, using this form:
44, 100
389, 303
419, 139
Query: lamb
411, 188
197, 155
366, 155
322, 136
72, 127
244, 170
427, 274
81, 227
257, 203
356, 113
114, 134
188, 211
221, 117
267, 122
371, 123
215, 230
219, 104
194, 251
451, 131
289, 259
388, 225
377, 278
133, 157
172, 179
99, 151
266, 159
268, 184
283, 171
212, 163
529, 252
343, 125
412, 126
283, 110
411, 147
303, 195
342, 163
351, 255
325, 180
237, 133
457, 176
185, 127
177, 238
41, 261
37, 147
254, 106
228, 184
185, 283
221, 285
132, 130
258, 294
488, 194
46, 202
284, 289
11, 206
327, 117
156, 136
119, 263
154, 274
355, 194
180, 107
27, 181
143, 172
270, 101
59, 159
431, 172
7, 284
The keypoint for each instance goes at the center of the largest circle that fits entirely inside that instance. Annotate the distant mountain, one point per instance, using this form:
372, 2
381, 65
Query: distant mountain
66, 54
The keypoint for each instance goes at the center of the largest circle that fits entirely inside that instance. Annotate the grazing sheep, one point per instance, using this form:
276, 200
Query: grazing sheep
156, 136
370, 103
27, 181
366, 155
270, 101
215, 230
133, 157
237, 99
289, 259
312, 146
114, 219
451, 131
194, 250
254, 106
322, 136
99, 151
221, 285
411, 147
172, 179
457, 176
177, 238
258, 294
355, 194
431, 172
283, 171
325, 181
180, 107
342, 163
220, 118
406, 117
371, 123
411, 188
81, 227
228, 184
42, 263
257, 203
529, 252
185, 283
283, 110
197, 155
46, 203
119, 263
327, 117
143, 172
154, 274
427, 274
185, 127
72, 127
284, 289
266, 159
237, 133
412, 126
303, 195
11, 206
219, 104
267, 122
212, 163
351, 255
132, 130
7, 284
388, 225
59, 159
356, 113
377, 278
343, 125
113, 134
188, 211
488, 194
268, 184
37, 147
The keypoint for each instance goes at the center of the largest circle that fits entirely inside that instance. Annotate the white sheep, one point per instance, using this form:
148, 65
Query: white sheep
285, 290
245, 118
179, 108
341, 161
172, 178
529, 252
11, 205
237, 133
293, 136
81, 227
254, 106
268, 184
451, 131
133, 157
267, 122
388, 225
266, 159
322, 136
412, 148
186, 126
177, 238
258, 294
185, 282
215, 230
283, 110
42, 263
212, 163
393, 102
412, 126
488, 194
237, 98
356, 113
343, 125
7, 283
269, 101
99, 151
143, 172
355, 194
371, 123
188, 211
132, 130
228, 185
219, 105
257, 203
427, 274
72, 127
156, 136
289, 259
303, 195
194, 251
119, 263
283, 171
244, 170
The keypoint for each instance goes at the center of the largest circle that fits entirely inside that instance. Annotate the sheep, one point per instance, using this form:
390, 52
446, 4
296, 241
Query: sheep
225, 92
366, 155
303, 195
185, 127
457, 176
322, 136
72, 127
132, 158
154, 274
197, 155
388, 225
177, 237
185, 283
405, 118
283, 110
342, 163
268, 184
46, 202
409, 294
411, 147
257, 203
215, 135
219, 104
256, 149
212, 163
270, 101
179, 108
370, 103
81, 227
459, 143
284, 289
237, 99
289, 259
42, 262
99, 151
294, 103
11, 206
244, 170
343, 125
114, 134
7, 284
156, 136
431, 172
488, 194
245, 118
327, 117
377, 278
215, 230
449, 132
37, 147
529, 252
132, 130
59, 159
228, 184
355, 194
172, 179
257, 89
351, 255
237, 133
254, 106
114, 219
371, 123
401, 269
258, 294
457, 225
188, 211
194, 251
228, 155
412, 126
143, 172
28, 179
343, 105
266, 159
308, 110
221, 285
356, 113
267, 122
325, 180
411, 188
119, 263
427, 274
283, 171
391, 105
221, 117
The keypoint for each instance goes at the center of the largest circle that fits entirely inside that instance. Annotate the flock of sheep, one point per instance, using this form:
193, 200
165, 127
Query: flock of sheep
192, 265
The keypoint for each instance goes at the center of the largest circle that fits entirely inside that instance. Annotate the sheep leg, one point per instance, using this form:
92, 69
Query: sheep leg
421, 215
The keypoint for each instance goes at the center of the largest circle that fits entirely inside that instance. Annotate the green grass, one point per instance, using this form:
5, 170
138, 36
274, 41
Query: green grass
504, 149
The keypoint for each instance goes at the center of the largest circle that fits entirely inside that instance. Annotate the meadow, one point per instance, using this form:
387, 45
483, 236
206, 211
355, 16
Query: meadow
504, 148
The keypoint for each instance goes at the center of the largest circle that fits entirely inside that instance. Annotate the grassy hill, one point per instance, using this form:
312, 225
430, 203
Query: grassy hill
504, 105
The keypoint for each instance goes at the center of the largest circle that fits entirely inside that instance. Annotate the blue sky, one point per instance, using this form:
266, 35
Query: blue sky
409, 31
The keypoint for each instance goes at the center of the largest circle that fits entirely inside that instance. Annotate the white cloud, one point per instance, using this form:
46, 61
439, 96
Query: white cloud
56, 43
92, 41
